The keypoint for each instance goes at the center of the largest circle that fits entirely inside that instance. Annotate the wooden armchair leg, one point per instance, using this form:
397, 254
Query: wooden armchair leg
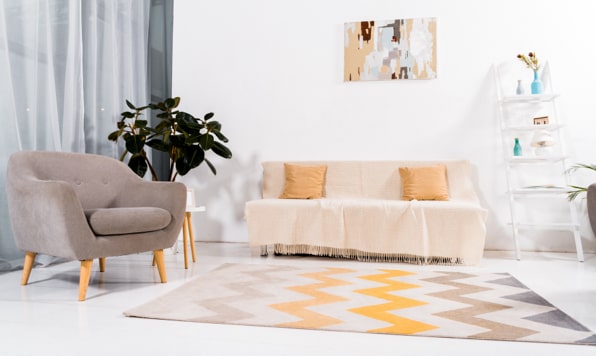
102, 264
191, 237
161, 265
28, 265
84, 278
185, 239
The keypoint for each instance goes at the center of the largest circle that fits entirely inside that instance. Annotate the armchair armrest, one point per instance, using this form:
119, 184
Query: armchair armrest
41, 208
170, 196
591, 196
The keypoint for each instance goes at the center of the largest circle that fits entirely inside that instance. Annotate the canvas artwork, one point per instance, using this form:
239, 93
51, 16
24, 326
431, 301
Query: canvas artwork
390, 49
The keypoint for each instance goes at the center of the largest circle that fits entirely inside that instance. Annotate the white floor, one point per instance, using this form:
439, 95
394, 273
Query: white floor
44, 318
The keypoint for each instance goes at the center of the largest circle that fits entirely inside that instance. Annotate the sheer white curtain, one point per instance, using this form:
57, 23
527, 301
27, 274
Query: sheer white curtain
66, 68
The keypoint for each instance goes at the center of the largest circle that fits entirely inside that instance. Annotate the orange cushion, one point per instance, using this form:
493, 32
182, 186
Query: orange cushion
303, 182
424, 183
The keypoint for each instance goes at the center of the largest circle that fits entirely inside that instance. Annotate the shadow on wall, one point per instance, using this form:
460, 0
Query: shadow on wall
224, 195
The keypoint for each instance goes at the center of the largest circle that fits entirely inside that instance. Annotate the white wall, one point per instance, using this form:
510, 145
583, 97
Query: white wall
272, 71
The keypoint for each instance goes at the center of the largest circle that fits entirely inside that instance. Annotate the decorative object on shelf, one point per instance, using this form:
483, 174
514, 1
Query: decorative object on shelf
577, 190
520, 88
531, 62
517, 149
542, 120
184, 137
536, 86
542, 143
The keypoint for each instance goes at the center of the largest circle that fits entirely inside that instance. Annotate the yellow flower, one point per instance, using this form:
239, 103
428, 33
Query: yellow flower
530, 60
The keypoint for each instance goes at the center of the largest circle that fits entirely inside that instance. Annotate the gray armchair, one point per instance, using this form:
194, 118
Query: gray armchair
84, 206
592, 206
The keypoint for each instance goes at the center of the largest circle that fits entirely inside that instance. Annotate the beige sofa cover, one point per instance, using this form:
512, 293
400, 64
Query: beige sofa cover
362, 216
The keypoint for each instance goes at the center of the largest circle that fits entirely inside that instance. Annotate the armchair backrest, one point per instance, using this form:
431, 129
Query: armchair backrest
96, 180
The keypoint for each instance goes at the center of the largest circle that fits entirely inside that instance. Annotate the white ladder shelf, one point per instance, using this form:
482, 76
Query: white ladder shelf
516, 113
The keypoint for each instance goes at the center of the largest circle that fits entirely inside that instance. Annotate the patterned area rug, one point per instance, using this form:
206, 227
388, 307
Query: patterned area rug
392, 301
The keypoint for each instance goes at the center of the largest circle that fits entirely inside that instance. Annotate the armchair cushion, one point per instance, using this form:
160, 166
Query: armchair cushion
120, 221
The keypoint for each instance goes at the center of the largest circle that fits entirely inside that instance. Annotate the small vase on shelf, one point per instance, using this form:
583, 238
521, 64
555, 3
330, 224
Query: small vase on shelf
536, 84
520, 88
517, 149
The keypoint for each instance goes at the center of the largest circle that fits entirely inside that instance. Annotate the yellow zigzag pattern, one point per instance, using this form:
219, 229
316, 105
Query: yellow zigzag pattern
311, 319
399, 325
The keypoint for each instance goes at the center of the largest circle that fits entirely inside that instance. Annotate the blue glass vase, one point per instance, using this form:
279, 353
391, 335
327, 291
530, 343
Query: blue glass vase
517, 149
536, 86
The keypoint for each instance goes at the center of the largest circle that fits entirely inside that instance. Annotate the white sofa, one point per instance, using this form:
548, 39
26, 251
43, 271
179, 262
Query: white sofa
362, 216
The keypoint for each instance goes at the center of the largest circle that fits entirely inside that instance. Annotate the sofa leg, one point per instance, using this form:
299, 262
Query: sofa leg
27, 267
161, 265
84, 278
102, 264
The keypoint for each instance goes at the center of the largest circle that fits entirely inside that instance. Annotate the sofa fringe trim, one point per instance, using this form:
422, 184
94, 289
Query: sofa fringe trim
282, 249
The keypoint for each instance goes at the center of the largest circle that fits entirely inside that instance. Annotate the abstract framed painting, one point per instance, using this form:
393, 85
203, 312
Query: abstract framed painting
390, 49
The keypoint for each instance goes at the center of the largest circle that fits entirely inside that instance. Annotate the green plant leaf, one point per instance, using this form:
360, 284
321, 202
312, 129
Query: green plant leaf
206, 141
572, 194
128, 114
221, 150
208, 116
181, 115
176, 153
114, 135
177, 140
129, 104
166, 137
164, 125
192, 139
194, 155
213, 126
192, 158
176, 102
169, 103
141, 123
138, 165
581, 165
211, 166
159, 145
135, 143
188, 122
220, 136
182, 166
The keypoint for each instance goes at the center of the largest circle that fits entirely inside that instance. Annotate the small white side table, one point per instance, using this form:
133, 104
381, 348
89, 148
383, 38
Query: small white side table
187, 233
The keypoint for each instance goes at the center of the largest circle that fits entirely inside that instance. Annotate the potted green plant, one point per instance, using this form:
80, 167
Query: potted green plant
591, 194
182, 136
577, 190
